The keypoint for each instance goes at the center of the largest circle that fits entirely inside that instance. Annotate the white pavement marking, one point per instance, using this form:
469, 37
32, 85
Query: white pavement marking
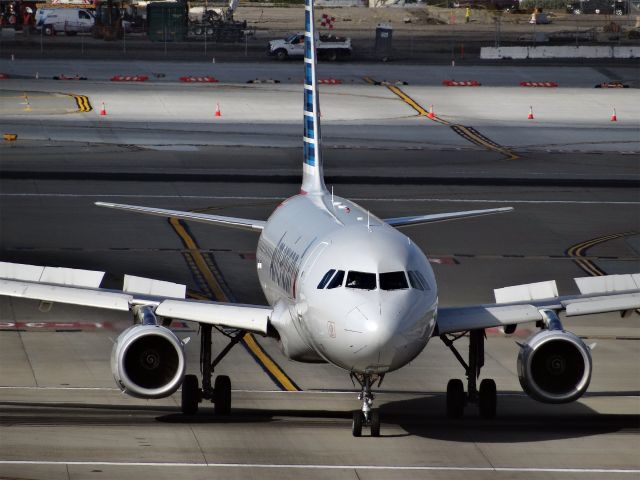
328, 467
355, 199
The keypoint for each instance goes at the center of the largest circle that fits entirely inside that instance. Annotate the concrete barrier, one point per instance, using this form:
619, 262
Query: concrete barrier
568, 51
626, 52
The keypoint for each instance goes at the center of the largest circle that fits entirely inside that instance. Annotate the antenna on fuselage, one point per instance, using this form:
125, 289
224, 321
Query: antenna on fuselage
368, 221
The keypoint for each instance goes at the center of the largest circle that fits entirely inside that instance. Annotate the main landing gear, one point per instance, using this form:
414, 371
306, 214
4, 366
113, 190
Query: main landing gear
367, 416
220, 392
486, 396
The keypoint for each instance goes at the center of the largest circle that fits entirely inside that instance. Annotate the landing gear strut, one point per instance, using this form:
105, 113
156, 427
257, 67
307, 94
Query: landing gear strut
220, 392
367, 416
485, 397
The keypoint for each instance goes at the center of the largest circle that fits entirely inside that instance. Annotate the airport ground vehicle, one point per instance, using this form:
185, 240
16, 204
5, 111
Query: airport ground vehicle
604, 7
68, 20
329, 47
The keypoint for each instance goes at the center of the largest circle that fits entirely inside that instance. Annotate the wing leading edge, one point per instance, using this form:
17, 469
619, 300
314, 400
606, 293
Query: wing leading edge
523, 303
234, 222
442, 217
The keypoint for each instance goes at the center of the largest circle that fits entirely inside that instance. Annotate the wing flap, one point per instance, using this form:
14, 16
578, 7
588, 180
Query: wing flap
234, 222
526, 293
245, 317
608, 283
58, 275
149, 286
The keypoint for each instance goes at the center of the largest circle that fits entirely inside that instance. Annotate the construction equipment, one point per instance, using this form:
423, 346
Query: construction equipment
108, 20
217, 24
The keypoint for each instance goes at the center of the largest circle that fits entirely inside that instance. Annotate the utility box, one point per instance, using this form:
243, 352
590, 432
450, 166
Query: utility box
384, 36
166, 21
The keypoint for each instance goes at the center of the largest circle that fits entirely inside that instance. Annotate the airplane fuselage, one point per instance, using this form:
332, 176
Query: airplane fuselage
346, 287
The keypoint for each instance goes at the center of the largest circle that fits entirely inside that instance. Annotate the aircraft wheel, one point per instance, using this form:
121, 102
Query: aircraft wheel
222, 395
455, 398
190, 395
375, 423
488, 399
356, 424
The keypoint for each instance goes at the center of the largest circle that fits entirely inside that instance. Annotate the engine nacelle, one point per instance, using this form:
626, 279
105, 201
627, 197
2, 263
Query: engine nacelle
148, 361
554, 366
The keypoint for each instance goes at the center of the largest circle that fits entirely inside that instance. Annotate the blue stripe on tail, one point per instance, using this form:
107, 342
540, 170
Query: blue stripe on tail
312, 177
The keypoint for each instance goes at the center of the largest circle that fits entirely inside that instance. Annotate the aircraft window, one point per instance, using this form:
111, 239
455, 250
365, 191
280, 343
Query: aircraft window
326, 278
423, 281
393, 281
337, 280
414, 280
362, 280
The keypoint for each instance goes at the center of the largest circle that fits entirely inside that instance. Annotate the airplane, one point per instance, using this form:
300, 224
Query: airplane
343, 287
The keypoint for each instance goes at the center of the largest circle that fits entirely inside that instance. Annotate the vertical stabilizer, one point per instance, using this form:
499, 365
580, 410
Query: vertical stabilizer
312, 176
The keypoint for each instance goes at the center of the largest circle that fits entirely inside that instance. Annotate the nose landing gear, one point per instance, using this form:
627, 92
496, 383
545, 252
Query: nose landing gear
367, 416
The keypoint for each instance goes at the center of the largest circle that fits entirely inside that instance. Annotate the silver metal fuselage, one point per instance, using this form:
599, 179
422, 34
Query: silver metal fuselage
364, 331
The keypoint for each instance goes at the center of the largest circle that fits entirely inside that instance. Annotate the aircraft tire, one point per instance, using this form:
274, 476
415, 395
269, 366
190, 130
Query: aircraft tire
356, 424
375, 423
487, 400
189, 403
222, 395
455, 398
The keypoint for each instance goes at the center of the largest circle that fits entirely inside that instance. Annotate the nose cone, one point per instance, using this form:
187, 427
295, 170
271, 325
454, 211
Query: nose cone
384, 336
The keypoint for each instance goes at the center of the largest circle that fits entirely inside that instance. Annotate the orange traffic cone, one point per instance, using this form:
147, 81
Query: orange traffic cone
218, 112
530, 116
614, 117
431, 114
103, 110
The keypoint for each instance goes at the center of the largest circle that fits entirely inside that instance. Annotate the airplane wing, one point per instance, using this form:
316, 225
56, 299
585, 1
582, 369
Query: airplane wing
234, 222
442, 217
522, 303
82, 287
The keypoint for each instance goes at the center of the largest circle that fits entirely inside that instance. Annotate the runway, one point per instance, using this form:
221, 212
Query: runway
61, 416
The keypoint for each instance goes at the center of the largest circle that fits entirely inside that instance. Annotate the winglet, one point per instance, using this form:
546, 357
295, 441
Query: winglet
312, 174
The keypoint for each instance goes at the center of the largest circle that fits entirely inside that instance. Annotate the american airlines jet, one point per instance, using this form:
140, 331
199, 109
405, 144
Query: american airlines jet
343, 287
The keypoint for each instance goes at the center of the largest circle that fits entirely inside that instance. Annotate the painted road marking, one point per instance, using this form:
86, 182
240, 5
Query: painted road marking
83, 103
443, 468
579, 250
468, 133
209, 277
356, 199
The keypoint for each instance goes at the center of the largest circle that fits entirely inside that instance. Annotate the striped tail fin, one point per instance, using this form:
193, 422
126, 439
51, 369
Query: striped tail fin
312, 175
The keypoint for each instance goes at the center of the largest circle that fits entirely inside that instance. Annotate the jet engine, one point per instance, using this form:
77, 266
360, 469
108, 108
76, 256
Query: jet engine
147, 359
554, 366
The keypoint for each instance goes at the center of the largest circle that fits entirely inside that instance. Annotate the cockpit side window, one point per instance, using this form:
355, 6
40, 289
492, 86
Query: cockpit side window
417, 280
393, 281
326, 278
336, 281
414, 280
425, 284
361, 280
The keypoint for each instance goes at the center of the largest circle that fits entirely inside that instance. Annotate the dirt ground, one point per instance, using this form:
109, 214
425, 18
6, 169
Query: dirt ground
420, 34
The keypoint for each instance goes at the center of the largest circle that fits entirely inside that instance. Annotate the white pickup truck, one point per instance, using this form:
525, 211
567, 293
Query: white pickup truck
329, 47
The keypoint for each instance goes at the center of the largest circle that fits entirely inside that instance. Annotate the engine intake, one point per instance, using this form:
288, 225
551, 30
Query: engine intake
148, 361
554, 366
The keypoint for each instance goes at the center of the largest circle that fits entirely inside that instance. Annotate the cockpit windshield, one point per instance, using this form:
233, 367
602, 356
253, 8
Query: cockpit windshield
361, 280
369, 281
337, 280
393, 281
